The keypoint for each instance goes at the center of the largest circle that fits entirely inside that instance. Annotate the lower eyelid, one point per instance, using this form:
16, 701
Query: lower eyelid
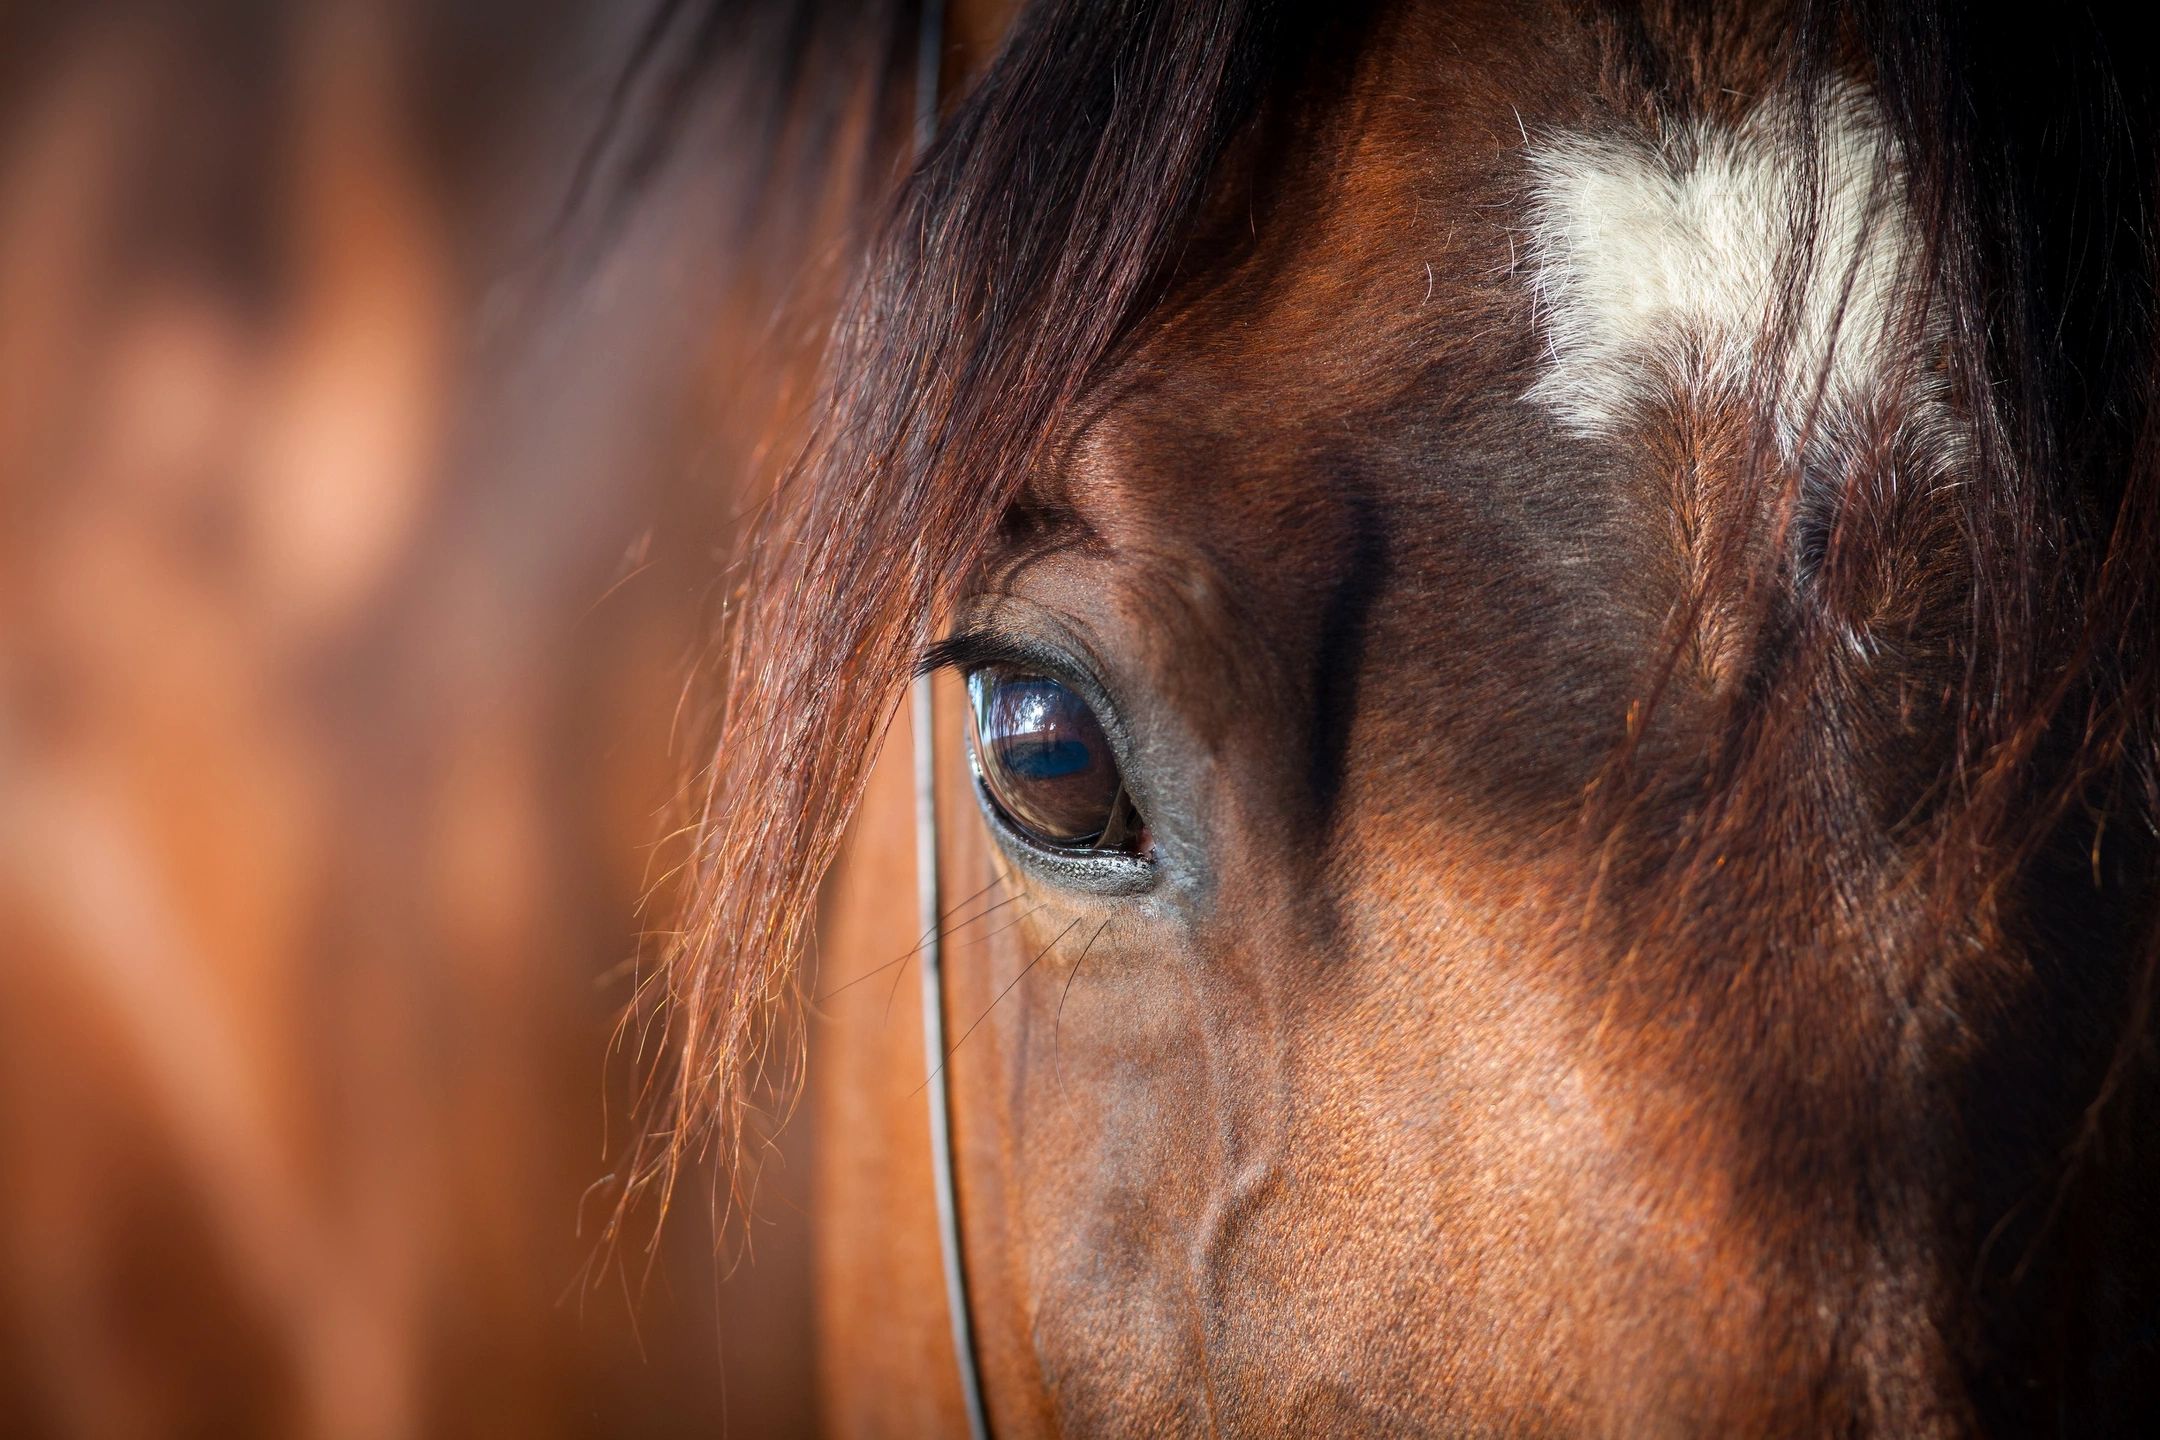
1108, 874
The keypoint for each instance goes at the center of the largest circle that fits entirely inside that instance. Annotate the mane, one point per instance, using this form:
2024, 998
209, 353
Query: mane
1041, 232
1035, 233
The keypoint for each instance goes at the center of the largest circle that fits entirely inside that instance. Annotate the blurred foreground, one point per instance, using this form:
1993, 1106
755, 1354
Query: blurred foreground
354, 550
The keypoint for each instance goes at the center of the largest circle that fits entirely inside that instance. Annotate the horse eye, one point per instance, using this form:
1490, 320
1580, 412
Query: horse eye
1047, 764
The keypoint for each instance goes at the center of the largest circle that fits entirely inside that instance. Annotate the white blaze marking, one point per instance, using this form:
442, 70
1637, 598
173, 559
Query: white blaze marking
1660, 268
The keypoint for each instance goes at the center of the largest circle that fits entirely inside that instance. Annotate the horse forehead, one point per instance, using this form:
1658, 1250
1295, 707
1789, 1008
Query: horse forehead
1591, 296
1544, 279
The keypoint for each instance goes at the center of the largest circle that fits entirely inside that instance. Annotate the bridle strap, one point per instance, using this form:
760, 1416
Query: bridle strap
929, 60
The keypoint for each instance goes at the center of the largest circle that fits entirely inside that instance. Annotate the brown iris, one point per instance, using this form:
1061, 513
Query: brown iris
1046, 762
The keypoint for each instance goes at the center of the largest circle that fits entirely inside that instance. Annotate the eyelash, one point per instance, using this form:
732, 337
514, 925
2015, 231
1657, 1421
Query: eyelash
967, 651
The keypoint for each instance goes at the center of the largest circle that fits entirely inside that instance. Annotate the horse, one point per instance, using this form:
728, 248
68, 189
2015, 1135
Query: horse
1538, 760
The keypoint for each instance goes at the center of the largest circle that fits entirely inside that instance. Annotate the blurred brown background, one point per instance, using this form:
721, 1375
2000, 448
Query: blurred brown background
359, 527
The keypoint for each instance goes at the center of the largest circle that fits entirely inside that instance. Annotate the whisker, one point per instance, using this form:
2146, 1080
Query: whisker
1057, 1029
954, 1049
894, 993
1008, 925
910, 954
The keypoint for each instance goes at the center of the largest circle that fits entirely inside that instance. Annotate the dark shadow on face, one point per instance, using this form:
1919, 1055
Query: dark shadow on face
1345, 626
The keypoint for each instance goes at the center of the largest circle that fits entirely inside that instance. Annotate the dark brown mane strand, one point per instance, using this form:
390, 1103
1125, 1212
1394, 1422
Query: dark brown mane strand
783, 71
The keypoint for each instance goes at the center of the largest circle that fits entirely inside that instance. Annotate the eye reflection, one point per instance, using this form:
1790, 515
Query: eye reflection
1047, 764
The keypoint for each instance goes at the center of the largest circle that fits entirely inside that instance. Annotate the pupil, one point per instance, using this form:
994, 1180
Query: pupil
1044, 757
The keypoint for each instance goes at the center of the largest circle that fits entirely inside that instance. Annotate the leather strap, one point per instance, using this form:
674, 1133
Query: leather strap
929, 60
